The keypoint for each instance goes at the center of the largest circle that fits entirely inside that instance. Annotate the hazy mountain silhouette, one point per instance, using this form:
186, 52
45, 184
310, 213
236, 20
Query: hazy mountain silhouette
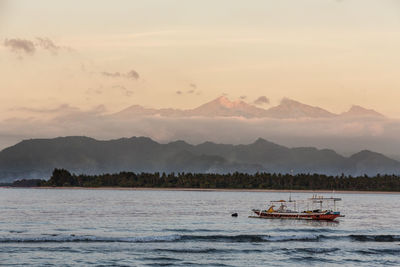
36, 158
223, 107
219, 107
372, 160
293, 109
357, 111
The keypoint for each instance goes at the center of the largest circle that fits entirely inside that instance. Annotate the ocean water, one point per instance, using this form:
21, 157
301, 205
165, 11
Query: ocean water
63, 227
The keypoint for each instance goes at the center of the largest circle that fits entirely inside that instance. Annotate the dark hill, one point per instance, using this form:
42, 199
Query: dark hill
36, 158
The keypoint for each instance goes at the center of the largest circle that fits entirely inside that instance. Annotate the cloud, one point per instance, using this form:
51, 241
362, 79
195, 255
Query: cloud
64, 109
60, 109
123, 90
132, 74
74, 114
111, 74
262, 100
188, 92
20, 46
47, 44
243, 97
30, 47
192, 90
33, 115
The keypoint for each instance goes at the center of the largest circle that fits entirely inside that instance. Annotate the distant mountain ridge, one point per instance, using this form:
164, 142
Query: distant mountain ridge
36, 158
358, 111
294, 109
223, 107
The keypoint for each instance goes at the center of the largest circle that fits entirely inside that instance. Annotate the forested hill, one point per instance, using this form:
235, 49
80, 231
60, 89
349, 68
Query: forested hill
36, 158
63, 178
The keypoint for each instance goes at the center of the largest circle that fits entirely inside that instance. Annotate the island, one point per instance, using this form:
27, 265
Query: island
236, 180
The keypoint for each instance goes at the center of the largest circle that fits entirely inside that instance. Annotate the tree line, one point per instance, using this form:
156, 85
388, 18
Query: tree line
63, 178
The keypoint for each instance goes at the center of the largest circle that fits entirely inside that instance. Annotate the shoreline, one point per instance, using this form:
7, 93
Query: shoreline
203, 189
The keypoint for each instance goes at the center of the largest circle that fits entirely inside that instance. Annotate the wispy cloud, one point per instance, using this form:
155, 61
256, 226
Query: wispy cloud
29, 47
111, 74
20, 46
36, 114
192, 90
47, 44
125, 91
132, 74
60, 109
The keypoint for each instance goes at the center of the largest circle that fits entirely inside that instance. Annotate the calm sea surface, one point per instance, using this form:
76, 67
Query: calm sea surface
51, 227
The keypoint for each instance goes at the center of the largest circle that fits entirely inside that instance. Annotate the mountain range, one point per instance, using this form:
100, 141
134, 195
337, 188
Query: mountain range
223, 107
36, 158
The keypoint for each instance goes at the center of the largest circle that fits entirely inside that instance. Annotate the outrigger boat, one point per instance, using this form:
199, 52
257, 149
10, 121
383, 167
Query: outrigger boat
283, 212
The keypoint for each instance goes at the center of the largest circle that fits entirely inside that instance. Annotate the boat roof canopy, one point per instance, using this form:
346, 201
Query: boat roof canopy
326, 198
316, 199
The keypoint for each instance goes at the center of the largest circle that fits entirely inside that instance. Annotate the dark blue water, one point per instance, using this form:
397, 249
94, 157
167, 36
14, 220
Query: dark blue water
40, 227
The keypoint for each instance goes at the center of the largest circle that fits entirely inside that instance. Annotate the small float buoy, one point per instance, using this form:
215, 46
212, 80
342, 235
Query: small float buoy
234, 214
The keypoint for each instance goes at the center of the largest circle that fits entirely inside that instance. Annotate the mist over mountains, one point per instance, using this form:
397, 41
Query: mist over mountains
223, 107
36, 158
221, 120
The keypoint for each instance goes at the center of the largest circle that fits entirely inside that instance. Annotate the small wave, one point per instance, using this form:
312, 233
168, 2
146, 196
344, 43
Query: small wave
384, 251
194, 251
160, 259
208, 250
315, 250
304, 238
183, 230
189, 263
375, 238
152, 239
17, 231
275, 230
160, 264
250, 238
50, 234
62, 230
306, 230
309, 259
89, 239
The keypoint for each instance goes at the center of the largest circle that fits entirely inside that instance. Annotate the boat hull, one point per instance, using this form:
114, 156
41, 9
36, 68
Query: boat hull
319, 216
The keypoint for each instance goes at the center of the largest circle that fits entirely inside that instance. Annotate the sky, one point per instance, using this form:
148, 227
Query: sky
182, 53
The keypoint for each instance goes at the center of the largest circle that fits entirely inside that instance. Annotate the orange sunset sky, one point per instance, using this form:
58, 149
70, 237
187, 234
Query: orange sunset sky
182, 53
